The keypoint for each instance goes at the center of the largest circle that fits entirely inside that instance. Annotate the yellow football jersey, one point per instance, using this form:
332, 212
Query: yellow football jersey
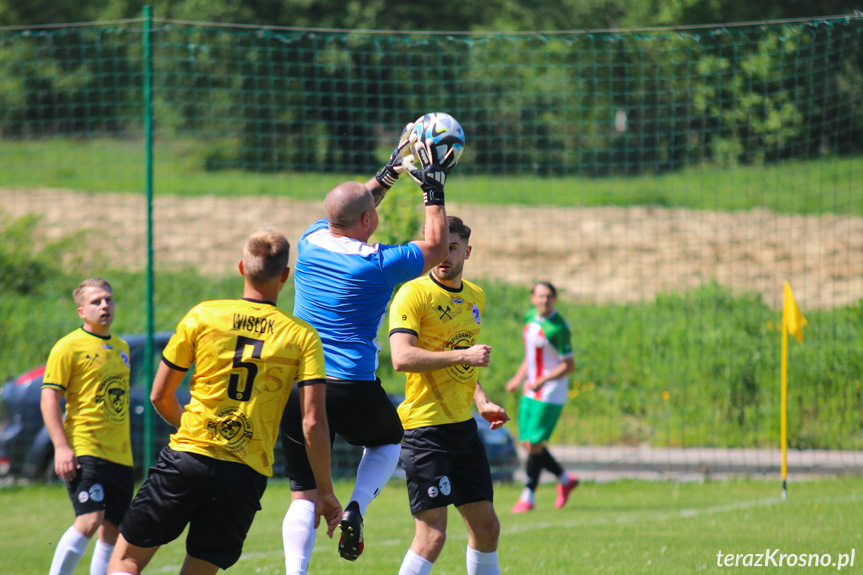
247, 355
93, 373
442, 319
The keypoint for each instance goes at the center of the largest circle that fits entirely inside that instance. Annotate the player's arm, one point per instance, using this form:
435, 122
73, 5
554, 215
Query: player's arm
436, 243
163, 395
65, 461
565, 367
491, 412
410, 358
378, 191
515, 382
317, 433
389, 174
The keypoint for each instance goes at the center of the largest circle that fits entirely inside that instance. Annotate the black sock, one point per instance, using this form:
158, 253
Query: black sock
550, 463
534, 468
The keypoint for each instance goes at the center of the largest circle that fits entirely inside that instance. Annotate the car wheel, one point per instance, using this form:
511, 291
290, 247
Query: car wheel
47, 474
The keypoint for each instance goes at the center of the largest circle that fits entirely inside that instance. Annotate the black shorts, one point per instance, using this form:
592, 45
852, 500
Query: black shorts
446, 465
216, 499
359, 411
102, 485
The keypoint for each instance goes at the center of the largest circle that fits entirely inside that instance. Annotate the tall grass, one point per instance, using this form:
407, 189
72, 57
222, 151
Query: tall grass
690, 369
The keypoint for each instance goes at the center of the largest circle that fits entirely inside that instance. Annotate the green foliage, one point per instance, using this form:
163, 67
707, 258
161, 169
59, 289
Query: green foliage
22, 268
400, 214
703, 368
601, 104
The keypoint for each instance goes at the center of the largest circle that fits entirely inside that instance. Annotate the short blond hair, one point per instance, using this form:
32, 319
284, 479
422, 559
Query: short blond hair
266, 255
94, 281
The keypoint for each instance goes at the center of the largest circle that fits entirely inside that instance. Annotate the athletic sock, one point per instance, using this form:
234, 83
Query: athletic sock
298, 536
101, 557
69, 550
479, 563
534, 468
375, 469
414, 564
527, 494
550, 463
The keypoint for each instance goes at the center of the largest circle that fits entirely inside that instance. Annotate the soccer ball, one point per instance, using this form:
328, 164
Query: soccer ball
443, 138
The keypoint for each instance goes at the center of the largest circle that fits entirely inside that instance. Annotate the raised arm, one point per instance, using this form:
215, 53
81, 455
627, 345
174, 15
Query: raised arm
389, 174
434, 247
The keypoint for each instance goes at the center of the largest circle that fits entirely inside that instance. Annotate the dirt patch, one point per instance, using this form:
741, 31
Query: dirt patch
592, 254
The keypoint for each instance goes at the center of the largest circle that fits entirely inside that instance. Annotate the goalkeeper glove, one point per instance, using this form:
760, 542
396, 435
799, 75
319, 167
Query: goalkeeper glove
388, 175
430, 177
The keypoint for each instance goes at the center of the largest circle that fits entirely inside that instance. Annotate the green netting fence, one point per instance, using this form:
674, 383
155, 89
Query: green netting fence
668, 181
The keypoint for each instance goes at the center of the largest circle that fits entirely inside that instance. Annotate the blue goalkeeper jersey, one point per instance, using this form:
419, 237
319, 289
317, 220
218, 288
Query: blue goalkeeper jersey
342, 287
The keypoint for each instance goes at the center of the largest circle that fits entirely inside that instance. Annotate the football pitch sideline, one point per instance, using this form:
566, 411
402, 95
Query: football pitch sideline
627, 526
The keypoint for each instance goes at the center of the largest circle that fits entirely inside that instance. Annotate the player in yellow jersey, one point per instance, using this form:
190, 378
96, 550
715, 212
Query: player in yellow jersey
92, 449
247, 353
434, 327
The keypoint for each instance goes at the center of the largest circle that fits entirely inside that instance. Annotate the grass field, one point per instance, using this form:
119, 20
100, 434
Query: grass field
820, 186
625, 527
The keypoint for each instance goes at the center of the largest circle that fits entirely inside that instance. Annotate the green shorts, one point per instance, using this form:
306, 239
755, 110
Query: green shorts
536, 420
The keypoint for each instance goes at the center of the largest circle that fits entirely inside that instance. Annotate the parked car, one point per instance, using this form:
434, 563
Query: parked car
26, 450
25, 446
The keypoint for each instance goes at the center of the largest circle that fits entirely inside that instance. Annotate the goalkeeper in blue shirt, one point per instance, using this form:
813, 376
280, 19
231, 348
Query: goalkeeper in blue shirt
343, 285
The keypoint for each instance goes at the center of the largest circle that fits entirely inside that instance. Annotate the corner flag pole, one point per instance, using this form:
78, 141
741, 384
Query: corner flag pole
793, 322
783, 418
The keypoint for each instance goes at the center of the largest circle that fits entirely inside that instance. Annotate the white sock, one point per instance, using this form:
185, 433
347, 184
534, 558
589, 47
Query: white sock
527, 495
479, 563
375, 469
298, 536
414, 564
69, 550
101, 557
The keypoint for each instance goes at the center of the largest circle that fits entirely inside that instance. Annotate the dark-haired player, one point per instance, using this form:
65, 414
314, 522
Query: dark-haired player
434, 326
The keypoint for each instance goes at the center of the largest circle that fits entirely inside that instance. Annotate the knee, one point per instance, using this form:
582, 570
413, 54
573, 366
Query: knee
435, 539
488, 532
89, 523
431, 542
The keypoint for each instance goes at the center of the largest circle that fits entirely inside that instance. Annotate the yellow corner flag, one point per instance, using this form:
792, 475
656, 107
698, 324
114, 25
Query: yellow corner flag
792, 323
794, 320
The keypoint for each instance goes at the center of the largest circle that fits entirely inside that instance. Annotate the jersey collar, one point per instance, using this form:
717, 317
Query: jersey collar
252, 300
105, 337
447, 288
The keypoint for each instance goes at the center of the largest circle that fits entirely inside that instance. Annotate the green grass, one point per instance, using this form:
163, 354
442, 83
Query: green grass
626, 527
830, 185
643, 375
